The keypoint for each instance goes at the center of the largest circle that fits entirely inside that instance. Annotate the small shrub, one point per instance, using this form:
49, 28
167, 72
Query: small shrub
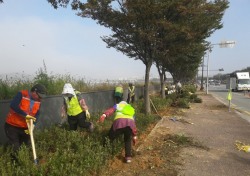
172, 96
197, 100
189, 88
193, 96
160, 103
185, 94
183, 103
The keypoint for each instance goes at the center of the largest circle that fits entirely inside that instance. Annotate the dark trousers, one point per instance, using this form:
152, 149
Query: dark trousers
127, 134
16, 136
131, 99
118, 99
78, 120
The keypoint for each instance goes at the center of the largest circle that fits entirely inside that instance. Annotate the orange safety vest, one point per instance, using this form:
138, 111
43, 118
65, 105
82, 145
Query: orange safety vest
18, 120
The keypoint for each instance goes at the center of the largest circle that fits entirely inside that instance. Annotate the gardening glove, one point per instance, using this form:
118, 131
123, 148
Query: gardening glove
102, 118
63, 114
27, 132
87, 114
134, 140
29, 117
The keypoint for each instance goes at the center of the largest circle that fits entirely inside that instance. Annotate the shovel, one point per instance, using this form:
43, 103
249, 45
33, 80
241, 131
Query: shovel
154, 107
30, 127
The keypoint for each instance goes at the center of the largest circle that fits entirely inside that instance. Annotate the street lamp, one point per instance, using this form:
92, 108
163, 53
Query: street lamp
223, 44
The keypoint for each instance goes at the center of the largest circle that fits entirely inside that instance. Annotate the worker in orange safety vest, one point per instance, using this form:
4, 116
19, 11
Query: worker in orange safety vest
24, 107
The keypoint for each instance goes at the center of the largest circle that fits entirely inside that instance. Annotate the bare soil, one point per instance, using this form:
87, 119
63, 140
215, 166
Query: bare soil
211, 131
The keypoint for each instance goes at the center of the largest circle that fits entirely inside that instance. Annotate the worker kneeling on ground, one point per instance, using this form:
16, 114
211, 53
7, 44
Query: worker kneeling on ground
124, 124
76, 109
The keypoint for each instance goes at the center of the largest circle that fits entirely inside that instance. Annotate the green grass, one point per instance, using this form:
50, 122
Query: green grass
181, 140
64, 152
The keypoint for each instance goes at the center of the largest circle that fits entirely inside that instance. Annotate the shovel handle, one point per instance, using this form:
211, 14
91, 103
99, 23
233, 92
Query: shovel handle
30, 127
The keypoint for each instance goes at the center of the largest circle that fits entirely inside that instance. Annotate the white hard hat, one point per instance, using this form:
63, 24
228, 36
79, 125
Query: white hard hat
123, 102
68, 89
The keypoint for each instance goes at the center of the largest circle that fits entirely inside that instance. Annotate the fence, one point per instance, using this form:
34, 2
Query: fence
50, 113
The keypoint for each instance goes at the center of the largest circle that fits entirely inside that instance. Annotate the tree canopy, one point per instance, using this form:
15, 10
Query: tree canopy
170, 33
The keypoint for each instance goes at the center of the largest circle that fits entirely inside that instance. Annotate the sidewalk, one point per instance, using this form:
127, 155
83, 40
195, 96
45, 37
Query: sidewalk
218, 129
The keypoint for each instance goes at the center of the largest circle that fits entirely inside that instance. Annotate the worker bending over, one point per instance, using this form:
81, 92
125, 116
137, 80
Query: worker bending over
75, 108
123, 124
25, 106
118, 93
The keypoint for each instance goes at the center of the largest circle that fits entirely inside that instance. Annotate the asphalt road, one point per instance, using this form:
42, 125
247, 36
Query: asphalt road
240, 100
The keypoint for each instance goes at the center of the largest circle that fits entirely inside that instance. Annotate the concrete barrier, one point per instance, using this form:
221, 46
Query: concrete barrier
50, 113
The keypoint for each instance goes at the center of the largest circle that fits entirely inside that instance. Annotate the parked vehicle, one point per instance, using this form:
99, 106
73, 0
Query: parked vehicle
217, 83
239, 81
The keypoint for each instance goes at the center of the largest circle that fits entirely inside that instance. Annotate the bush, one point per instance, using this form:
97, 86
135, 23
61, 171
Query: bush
197, 100
189, 88
160, 103
183, 103
172, 96
185, 94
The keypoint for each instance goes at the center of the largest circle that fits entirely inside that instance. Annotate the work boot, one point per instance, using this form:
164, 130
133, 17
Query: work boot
91, 127
128, 159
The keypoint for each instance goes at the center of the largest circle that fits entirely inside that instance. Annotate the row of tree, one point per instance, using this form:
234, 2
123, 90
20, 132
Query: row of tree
168, 33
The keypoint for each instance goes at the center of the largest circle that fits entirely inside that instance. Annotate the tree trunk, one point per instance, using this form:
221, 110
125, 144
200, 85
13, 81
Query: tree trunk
162, 74
146, 90
162, 82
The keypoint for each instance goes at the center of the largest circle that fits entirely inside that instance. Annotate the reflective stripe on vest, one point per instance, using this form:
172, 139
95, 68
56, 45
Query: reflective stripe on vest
119, 114
25, 105
73, 106
132, 90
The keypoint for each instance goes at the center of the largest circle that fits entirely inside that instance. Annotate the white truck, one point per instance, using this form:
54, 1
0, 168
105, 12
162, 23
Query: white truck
239, 81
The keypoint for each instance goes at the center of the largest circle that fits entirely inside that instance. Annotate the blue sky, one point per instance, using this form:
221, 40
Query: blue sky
32, 31
236, 28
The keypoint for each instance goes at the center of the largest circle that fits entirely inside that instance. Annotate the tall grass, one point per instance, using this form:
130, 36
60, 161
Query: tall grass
9, 86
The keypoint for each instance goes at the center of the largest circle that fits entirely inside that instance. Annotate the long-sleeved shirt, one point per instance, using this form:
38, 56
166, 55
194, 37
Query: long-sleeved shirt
15, 105
121, 122
81, 102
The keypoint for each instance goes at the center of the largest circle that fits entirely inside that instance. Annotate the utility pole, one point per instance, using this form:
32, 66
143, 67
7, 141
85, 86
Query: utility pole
202, 68
223, 44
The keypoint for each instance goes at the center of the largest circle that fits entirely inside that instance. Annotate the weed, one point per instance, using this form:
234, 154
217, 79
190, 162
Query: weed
184, 141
